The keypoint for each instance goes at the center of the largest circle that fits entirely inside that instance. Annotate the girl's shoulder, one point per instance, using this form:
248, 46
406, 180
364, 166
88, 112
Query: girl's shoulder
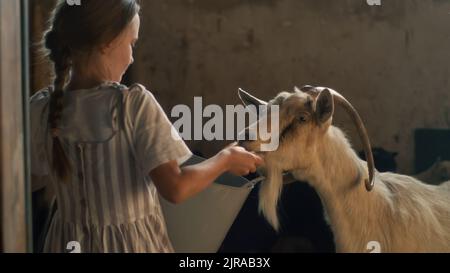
38, 115
41, 95
139, 94
139, 90
135, 87
39, 101
135, 91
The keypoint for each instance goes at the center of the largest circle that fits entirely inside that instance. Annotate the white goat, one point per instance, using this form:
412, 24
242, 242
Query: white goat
397, 211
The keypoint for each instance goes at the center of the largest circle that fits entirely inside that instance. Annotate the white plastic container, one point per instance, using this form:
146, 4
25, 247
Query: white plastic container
200, 224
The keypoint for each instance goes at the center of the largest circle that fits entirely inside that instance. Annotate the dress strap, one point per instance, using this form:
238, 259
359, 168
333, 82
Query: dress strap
120, 118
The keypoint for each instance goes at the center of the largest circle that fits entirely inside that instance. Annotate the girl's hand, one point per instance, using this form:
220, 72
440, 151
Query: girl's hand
177, 184
239, 161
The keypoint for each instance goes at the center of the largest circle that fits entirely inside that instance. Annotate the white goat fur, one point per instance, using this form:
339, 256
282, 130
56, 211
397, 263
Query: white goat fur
401, 213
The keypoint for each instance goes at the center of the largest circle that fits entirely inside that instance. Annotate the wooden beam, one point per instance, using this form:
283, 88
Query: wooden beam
12, 175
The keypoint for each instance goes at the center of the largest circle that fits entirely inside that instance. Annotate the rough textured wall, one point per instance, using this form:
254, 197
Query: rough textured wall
391, 61
40, 68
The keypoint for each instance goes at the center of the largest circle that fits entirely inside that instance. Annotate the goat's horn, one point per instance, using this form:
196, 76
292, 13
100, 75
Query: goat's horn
339, 99
307, 88
310, 90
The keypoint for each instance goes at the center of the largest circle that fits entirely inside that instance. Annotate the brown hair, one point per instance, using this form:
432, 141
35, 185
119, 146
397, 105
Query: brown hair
78, 30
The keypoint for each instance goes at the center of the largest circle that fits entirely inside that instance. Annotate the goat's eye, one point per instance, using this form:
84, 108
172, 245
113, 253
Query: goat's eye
303, 118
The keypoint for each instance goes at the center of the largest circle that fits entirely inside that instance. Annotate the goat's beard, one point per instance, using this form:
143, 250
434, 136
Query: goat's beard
269, 194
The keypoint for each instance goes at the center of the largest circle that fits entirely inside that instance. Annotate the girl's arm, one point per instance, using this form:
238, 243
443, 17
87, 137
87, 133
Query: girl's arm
177, 184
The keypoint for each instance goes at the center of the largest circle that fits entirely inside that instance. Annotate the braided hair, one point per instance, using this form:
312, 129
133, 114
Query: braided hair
75, 30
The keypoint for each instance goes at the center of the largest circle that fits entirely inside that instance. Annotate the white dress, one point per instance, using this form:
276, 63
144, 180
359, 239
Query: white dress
113, 136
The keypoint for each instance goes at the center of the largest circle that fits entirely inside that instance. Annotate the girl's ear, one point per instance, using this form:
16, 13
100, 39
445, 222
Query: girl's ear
324, 106
104, 48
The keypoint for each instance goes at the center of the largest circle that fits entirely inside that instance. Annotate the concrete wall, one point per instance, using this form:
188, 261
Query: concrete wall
391, 61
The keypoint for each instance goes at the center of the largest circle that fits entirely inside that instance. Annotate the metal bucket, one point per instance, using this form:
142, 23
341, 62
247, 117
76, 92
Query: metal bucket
200, 224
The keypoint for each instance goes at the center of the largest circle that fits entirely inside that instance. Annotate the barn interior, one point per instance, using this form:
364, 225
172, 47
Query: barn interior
390, 59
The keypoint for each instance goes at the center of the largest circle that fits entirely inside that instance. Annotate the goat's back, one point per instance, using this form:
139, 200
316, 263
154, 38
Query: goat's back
421, 209
445, 187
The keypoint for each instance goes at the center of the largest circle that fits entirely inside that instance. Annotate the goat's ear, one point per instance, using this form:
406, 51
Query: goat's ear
324, 106
248, 99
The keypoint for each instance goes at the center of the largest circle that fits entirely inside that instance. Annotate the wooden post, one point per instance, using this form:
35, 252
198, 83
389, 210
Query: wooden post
12, 171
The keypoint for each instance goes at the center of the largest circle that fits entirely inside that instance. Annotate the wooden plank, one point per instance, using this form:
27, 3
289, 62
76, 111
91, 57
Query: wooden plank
12, 178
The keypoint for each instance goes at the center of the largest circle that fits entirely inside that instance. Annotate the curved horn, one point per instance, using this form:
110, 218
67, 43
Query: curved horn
339, 99
307, 88
310, 90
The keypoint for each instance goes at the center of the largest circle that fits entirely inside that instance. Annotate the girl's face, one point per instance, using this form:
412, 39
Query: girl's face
117, 56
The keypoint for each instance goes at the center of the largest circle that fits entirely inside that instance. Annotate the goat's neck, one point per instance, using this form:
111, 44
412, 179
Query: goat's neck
338, 176
336, 168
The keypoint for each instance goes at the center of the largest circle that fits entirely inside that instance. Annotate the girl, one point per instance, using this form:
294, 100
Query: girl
107, 148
